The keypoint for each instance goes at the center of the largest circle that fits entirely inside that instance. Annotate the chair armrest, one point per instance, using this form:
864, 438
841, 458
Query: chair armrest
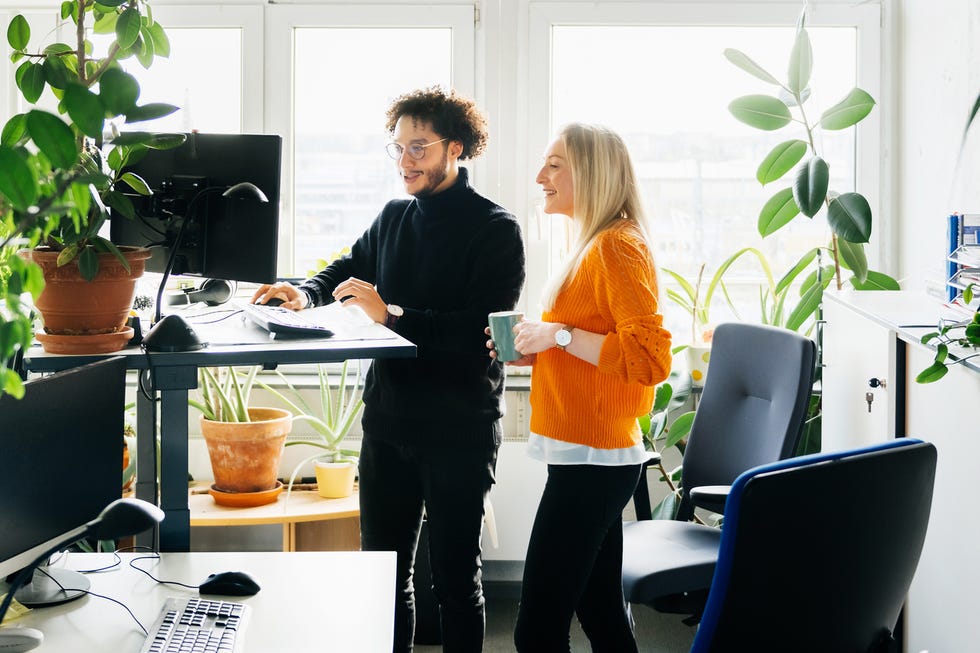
710, 497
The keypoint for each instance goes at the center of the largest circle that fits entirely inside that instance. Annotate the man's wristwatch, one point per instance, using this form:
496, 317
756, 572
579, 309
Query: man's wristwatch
394, 312
563, 337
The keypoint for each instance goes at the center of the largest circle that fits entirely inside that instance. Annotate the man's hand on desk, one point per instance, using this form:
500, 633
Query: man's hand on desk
292, 297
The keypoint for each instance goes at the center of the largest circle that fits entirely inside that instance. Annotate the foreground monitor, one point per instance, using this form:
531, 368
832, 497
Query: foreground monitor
61, 452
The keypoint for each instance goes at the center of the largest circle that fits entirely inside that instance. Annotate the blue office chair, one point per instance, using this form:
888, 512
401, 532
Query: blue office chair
752, 411
817, 552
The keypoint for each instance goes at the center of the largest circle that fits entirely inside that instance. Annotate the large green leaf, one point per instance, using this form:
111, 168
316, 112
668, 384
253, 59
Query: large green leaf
810, 188
53, 137
849, 111
17, 182
161, 43
30, 80
85, 109
932, 373
777, 212
795, 271
14, 131
18, 33
150, 111
807, 307
780, 160
679, 429
55, 72
852, 257
744, 62
800, 63
128, 27
876, 281
761, 111
849, 216
119, 91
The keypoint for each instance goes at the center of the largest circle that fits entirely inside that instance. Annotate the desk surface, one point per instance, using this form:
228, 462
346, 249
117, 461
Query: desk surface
317, 601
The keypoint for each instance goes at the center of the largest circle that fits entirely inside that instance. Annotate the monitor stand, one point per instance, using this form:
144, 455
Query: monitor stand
51, 586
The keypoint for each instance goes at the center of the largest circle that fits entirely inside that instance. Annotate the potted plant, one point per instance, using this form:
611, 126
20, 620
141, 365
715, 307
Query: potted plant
335, 413
62, 172
244, 443
848, 214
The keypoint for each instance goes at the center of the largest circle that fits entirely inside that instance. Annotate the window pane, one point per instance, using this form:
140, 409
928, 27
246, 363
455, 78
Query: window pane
666, 90
209, 95
342, 175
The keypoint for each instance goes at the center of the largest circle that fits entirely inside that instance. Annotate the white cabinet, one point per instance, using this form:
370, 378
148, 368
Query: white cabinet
867, 332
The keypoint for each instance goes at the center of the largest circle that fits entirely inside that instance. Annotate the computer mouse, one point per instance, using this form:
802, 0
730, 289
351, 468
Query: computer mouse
275, 301
230, 583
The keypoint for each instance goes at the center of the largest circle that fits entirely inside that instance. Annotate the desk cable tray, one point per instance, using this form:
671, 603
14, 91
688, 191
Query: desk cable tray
193, 624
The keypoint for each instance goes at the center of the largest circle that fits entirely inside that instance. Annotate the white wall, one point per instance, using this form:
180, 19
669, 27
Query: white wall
938, 78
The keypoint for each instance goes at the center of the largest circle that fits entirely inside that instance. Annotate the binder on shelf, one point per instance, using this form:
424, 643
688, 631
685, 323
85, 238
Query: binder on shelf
952, 244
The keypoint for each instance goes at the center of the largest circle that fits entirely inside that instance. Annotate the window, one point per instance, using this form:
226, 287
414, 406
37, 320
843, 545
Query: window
657, 75
338, 175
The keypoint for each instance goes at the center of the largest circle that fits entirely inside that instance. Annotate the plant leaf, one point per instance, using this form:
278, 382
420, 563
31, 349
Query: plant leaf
744, 62
780, 160
119, 91
30, 80
150, 111
876, 281
17, 182
808, 306
85, 109
794, 271
849, 111
53, 137
128, 27
161, 43
932, 373
679, 429
761, 111
18, 32
852, 257
800, 62
810, 188
777, 212
849, 216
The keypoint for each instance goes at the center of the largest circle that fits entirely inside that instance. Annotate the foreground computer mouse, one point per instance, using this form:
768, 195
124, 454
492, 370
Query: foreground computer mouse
275, 301
230, 583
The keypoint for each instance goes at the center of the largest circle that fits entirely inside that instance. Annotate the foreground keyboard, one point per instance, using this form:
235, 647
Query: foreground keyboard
282, 321
192, 624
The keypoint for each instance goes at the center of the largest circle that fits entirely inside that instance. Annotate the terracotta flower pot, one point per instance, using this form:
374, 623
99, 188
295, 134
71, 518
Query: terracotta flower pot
245, 455
71, 306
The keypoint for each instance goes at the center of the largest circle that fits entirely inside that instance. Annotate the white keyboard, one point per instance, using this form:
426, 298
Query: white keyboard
282, 321
198, 625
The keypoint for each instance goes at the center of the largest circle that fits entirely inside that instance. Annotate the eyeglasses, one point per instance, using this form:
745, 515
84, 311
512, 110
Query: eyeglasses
415, 150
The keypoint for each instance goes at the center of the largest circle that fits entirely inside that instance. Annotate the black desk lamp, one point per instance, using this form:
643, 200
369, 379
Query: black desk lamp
120, 518
173, 333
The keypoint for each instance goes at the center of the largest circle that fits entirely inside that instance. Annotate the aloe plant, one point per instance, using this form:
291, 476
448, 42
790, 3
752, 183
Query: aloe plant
848, 214
224, 393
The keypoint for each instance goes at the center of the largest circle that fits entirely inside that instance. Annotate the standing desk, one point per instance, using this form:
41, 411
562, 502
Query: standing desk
309, 601
232, 341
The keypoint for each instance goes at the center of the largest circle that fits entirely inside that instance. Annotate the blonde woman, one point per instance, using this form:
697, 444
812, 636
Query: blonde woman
597, 353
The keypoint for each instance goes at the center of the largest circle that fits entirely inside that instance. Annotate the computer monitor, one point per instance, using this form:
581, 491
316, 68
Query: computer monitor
226, 238
61, 453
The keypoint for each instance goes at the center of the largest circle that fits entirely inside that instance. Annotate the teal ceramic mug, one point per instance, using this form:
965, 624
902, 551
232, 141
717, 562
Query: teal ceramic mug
502, 333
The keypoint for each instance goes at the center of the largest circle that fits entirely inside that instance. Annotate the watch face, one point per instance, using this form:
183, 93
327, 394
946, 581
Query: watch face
563, 338
395, 310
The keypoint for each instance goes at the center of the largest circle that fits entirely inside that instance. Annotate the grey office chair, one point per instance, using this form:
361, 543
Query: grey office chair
751, 412
818, 552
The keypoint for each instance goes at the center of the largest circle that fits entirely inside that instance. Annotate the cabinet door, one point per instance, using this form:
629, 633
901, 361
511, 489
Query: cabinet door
942, 604
856, 350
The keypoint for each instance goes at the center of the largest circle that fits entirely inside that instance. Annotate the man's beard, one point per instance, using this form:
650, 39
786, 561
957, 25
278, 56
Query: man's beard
434, 177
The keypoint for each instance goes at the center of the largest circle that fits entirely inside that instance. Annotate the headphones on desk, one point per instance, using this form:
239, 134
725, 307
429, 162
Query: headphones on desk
212, 292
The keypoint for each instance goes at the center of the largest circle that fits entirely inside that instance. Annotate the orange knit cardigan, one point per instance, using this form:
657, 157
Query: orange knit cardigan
614, 292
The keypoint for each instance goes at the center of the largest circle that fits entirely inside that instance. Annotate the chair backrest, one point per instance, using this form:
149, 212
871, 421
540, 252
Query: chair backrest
817, 552
753, 405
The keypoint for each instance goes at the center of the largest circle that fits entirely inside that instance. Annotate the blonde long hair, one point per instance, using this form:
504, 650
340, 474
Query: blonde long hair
605, 191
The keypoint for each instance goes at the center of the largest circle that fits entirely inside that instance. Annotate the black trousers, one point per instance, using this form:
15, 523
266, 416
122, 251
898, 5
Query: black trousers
574, 563
451, 484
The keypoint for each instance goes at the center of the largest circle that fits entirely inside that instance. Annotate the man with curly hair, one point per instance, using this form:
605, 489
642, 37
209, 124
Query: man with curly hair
430, 268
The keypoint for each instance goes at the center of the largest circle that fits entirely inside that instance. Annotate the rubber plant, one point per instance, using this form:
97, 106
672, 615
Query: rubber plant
59, 172
848, 214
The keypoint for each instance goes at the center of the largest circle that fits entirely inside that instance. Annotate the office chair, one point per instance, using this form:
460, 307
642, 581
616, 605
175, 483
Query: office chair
751, 412
818, 552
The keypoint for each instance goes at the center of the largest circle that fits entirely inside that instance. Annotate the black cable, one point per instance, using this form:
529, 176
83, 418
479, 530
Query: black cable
156, 556
101, 596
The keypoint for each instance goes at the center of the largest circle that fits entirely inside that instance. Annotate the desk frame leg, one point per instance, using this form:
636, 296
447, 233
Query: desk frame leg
146, 458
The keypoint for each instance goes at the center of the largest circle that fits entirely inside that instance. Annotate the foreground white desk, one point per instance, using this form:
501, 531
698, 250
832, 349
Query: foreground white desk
310, 601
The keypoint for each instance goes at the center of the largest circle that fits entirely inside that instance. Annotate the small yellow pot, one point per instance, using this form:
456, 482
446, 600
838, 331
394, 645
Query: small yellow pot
335, 480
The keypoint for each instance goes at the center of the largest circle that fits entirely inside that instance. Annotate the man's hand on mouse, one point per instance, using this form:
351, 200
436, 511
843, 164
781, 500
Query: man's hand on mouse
292, 297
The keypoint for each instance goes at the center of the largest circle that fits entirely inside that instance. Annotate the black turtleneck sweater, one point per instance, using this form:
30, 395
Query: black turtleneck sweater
448, 260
